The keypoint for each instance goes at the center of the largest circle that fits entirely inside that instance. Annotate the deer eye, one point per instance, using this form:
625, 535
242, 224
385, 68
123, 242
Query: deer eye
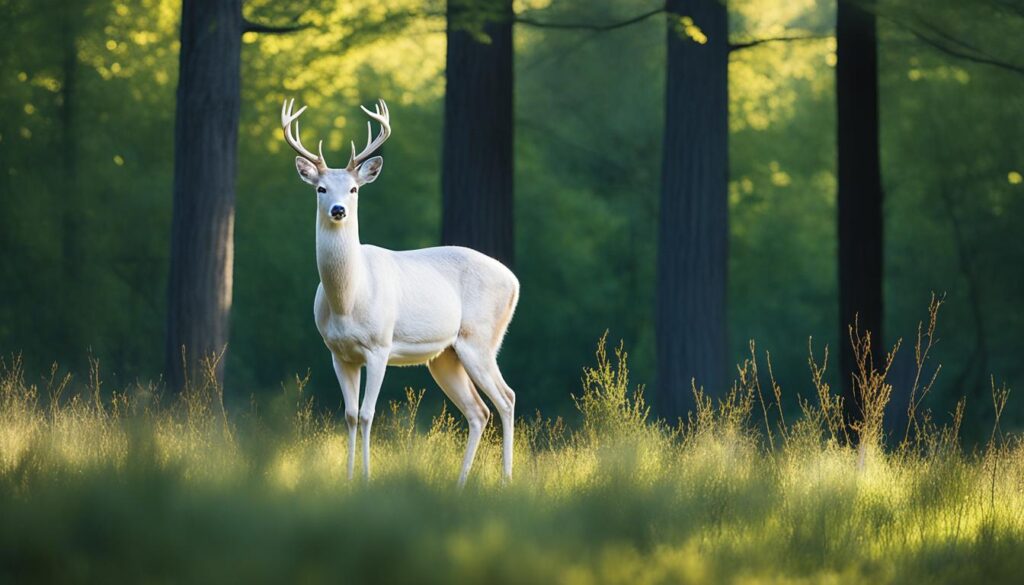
321, 189
353, 190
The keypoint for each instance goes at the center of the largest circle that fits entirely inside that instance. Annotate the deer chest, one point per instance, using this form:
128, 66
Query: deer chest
347, 338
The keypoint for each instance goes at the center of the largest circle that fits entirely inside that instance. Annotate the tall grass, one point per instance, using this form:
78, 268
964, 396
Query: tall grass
134, 488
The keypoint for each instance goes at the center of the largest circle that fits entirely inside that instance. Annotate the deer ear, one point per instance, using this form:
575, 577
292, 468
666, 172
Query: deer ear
307, 170
368, 171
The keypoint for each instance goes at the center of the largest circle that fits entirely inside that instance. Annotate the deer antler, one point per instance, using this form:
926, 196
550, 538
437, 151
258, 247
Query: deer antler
287, 117
382, 116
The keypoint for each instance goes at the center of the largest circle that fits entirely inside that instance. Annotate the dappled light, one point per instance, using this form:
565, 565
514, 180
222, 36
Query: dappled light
574, 194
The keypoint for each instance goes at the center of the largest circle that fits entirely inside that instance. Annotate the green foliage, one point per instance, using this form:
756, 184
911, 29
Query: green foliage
588, 146
137, 489
610, 410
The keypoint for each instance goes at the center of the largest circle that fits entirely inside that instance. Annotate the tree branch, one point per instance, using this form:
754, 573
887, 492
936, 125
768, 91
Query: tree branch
965, 51
644, 16
587, 26
941, 34
756, 42
959, 54
256, 27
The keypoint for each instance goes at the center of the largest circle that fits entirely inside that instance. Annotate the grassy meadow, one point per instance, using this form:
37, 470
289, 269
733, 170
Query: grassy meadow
100, 486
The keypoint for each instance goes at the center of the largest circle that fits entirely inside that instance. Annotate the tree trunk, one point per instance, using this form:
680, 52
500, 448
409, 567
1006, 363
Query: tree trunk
860, 188
476, 176
72, 216
693, 221
205, 144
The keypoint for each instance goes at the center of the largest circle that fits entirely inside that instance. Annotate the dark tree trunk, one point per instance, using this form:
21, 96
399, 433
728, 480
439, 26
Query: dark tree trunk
860, 188
71, 215
693, 221
205, 143
476, 175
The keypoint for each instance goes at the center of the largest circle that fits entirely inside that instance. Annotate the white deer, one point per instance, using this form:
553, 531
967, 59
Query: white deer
446, 307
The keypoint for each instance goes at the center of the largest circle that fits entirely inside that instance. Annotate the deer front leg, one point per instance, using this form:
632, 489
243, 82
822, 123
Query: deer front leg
348, 379
376, 365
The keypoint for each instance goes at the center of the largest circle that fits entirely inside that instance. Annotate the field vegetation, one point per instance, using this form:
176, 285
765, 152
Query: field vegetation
130, 486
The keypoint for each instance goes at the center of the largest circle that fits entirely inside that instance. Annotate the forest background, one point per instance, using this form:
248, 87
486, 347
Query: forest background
87, 166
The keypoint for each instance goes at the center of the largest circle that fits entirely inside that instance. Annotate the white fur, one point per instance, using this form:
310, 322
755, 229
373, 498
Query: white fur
447, 307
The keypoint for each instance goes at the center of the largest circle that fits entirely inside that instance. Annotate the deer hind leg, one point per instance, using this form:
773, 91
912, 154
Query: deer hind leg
482, 366
454, 381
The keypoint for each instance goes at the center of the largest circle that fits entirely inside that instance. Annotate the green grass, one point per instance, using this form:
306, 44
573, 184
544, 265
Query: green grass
130, 489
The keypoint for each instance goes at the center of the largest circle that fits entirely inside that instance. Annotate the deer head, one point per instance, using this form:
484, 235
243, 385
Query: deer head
337, 189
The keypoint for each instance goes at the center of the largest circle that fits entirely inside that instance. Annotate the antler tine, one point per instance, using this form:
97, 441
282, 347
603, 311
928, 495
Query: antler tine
383, 117
288, 115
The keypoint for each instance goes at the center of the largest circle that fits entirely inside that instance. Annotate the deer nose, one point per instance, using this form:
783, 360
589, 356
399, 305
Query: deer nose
338, 212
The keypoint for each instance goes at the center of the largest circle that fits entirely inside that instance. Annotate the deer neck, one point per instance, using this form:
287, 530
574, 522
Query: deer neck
339, 259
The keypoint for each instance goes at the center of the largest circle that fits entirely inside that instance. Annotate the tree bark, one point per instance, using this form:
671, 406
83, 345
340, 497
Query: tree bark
860, 189
690, 324
72, 216
476, 175
205, 144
